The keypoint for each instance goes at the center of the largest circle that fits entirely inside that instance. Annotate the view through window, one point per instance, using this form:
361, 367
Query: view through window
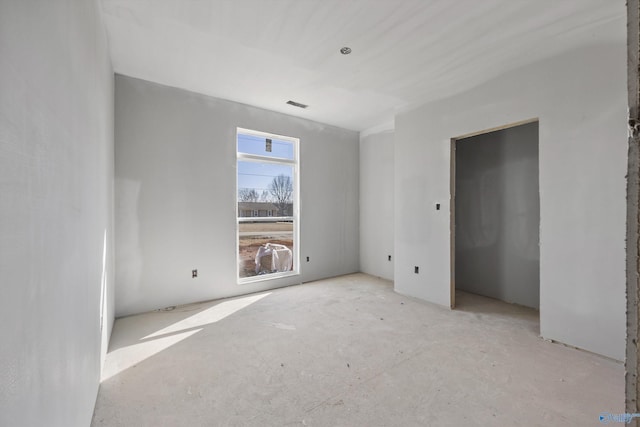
267, 205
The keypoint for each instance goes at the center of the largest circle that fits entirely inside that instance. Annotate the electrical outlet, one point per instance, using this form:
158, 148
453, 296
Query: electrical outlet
194, 274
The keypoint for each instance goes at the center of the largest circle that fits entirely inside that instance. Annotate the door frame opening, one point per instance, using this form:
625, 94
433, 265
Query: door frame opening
452, 189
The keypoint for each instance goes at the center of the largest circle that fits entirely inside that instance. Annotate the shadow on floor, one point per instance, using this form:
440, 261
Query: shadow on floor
481, 305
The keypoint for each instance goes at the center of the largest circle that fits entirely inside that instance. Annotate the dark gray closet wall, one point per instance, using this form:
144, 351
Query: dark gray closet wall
497, 215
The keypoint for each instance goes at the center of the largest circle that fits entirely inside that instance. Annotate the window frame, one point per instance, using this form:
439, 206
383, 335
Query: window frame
295, 214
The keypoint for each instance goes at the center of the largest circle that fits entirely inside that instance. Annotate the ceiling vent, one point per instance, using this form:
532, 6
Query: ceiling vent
297, 104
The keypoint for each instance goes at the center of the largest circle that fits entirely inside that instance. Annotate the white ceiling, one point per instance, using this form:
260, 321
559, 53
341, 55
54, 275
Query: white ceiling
405, 52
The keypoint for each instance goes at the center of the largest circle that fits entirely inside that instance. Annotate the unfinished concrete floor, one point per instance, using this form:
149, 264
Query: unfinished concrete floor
349, 351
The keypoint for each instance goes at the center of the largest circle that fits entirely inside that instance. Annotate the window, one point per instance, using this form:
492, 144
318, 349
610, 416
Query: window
267, 180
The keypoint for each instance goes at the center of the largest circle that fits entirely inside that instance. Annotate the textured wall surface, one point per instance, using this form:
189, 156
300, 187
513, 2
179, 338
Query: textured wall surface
56, 209
176, 201
633, 213
580, 100
376, 204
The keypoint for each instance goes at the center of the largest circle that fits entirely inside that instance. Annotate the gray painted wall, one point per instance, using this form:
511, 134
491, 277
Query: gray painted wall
376, 204
580, 99
175, 196
56, 210
497, 215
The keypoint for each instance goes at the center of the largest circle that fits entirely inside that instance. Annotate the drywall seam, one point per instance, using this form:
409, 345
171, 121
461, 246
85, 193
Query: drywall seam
376, 204
381, 128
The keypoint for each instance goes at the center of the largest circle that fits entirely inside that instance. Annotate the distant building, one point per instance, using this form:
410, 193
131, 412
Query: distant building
257, 209
262, 209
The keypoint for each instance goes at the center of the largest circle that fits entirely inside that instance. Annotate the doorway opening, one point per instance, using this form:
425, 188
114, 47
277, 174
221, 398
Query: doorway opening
495, 214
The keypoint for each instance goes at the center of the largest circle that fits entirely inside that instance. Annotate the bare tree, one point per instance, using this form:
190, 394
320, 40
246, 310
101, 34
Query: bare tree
265, 196
248, 195
281, 189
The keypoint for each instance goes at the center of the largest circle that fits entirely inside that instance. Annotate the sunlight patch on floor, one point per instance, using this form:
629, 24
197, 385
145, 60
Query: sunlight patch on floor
126, 357
210, 315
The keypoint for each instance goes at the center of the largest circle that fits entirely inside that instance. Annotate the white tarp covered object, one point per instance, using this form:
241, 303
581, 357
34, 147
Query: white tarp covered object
281, 257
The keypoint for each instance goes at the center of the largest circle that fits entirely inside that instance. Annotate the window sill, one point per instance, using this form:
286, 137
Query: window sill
266, 277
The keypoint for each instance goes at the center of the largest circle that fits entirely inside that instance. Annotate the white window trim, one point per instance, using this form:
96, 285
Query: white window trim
295, 218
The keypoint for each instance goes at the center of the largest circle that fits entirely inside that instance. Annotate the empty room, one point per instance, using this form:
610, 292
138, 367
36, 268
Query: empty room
321, 213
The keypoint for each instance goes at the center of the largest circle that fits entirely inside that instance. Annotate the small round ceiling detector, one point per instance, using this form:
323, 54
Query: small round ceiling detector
345, 50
